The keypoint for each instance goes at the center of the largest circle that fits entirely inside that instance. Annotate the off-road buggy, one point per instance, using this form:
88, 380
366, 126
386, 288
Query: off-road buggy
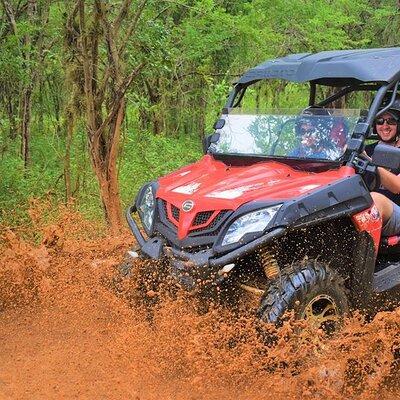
279, 206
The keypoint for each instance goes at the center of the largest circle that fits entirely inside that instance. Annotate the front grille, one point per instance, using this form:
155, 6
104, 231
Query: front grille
163, 213
213, 224
164, 206
202, 217
175, 212
198, 239
170, 215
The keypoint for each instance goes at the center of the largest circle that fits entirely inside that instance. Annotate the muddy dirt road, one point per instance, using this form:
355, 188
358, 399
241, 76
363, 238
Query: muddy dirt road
65, 334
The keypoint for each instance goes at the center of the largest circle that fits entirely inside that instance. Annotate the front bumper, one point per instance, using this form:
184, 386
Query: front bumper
198, 268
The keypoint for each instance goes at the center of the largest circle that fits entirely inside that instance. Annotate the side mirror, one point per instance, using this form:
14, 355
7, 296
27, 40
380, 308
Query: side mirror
386, 156
208, 140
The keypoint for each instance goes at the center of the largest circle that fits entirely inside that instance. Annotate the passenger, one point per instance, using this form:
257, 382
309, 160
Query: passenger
387, 197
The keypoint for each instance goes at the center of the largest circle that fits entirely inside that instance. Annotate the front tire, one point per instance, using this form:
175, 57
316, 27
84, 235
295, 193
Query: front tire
314, 292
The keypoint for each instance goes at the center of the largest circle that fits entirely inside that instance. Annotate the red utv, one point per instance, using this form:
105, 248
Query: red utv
279, 206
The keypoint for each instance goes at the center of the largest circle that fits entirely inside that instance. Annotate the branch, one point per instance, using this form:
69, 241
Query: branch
87, 68
122, 14
103, 86
42, 57
162, 12
94, 44
21, 8
10, 15
133, 25
119, 96
112, 54
72, 16
18, 12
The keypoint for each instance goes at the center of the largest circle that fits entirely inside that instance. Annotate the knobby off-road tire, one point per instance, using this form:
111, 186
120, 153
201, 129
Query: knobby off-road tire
312, 290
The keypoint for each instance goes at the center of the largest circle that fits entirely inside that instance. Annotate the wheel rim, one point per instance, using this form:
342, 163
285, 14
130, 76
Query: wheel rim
322, 313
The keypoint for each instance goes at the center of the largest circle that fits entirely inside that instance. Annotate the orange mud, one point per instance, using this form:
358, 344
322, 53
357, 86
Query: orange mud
65, 334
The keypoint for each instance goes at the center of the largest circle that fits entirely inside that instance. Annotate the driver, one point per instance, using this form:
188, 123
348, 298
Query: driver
387, 197
311, 129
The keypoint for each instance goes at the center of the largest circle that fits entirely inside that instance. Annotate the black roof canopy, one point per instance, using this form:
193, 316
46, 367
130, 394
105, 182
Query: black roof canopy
334, 68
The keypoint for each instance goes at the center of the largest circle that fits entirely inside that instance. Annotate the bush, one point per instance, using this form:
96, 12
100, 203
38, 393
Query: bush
143, 157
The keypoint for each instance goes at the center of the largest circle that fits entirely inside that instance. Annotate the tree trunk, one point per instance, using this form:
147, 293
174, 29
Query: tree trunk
41, 106
203, 112
26, 106
10, 15
154, 97
70, 122
26, 101
105, 86
13, 129
107, 174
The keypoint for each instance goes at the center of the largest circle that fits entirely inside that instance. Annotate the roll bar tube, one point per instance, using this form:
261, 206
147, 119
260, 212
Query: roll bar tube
313, 93
376, 103
392, 100
344, 91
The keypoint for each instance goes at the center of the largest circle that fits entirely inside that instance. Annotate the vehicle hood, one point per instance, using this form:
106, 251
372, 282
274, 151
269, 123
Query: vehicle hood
211, 185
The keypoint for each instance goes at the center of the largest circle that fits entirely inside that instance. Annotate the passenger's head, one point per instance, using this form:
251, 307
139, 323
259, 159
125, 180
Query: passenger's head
386, 126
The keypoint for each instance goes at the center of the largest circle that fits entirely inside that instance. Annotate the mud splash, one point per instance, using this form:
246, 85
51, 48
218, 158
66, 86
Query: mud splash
65, 334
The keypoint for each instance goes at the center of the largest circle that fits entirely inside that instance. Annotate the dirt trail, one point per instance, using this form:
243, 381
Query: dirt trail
65, 334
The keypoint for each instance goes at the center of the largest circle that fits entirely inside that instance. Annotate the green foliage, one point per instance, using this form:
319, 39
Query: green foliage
146, 157
193, 51
18, 186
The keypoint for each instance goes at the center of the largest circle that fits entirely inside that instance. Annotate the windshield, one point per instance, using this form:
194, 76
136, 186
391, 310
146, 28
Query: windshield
309, 134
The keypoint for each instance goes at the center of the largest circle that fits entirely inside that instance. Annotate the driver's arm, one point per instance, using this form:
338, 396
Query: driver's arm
389, 180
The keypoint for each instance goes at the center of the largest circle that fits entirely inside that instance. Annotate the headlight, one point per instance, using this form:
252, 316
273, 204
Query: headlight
146, 207
255, 221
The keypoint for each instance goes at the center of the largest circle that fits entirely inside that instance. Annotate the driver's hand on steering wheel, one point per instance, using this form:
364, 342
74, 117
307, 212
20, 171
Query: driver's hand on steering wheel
366, 156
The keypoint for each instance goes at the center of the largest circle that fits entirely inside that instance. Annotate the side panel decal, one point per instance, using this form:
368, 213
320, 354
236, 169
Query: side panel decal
371, 222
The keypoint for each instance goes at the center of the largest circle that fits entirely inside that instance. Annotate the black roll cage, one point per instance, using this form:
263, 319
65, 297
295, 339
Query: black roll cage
236, 95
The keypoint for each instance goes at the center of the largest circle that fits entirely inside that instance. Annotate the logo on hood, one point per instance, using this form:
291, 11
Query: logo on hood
187, 205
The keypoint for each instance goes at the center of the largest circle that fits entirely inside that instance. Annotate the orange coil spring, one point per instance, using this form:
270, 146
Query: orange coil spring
269, 264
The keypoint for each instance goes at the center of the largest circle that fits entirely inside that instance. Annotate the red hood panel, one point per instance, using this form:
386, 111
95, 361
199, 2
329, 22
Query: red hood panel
212, 185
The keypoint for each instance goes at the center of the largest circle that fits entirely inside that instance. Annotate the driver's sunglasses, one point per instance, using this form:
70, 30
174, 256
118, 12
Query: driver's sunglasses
389, 121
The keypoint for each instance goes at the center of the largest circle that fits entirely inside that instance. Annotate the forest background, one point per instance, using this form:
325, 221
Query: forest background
98, 97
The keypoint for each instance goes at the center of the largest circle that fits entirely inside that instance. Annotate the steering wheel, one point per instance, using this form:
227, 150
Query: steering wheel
279, 133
